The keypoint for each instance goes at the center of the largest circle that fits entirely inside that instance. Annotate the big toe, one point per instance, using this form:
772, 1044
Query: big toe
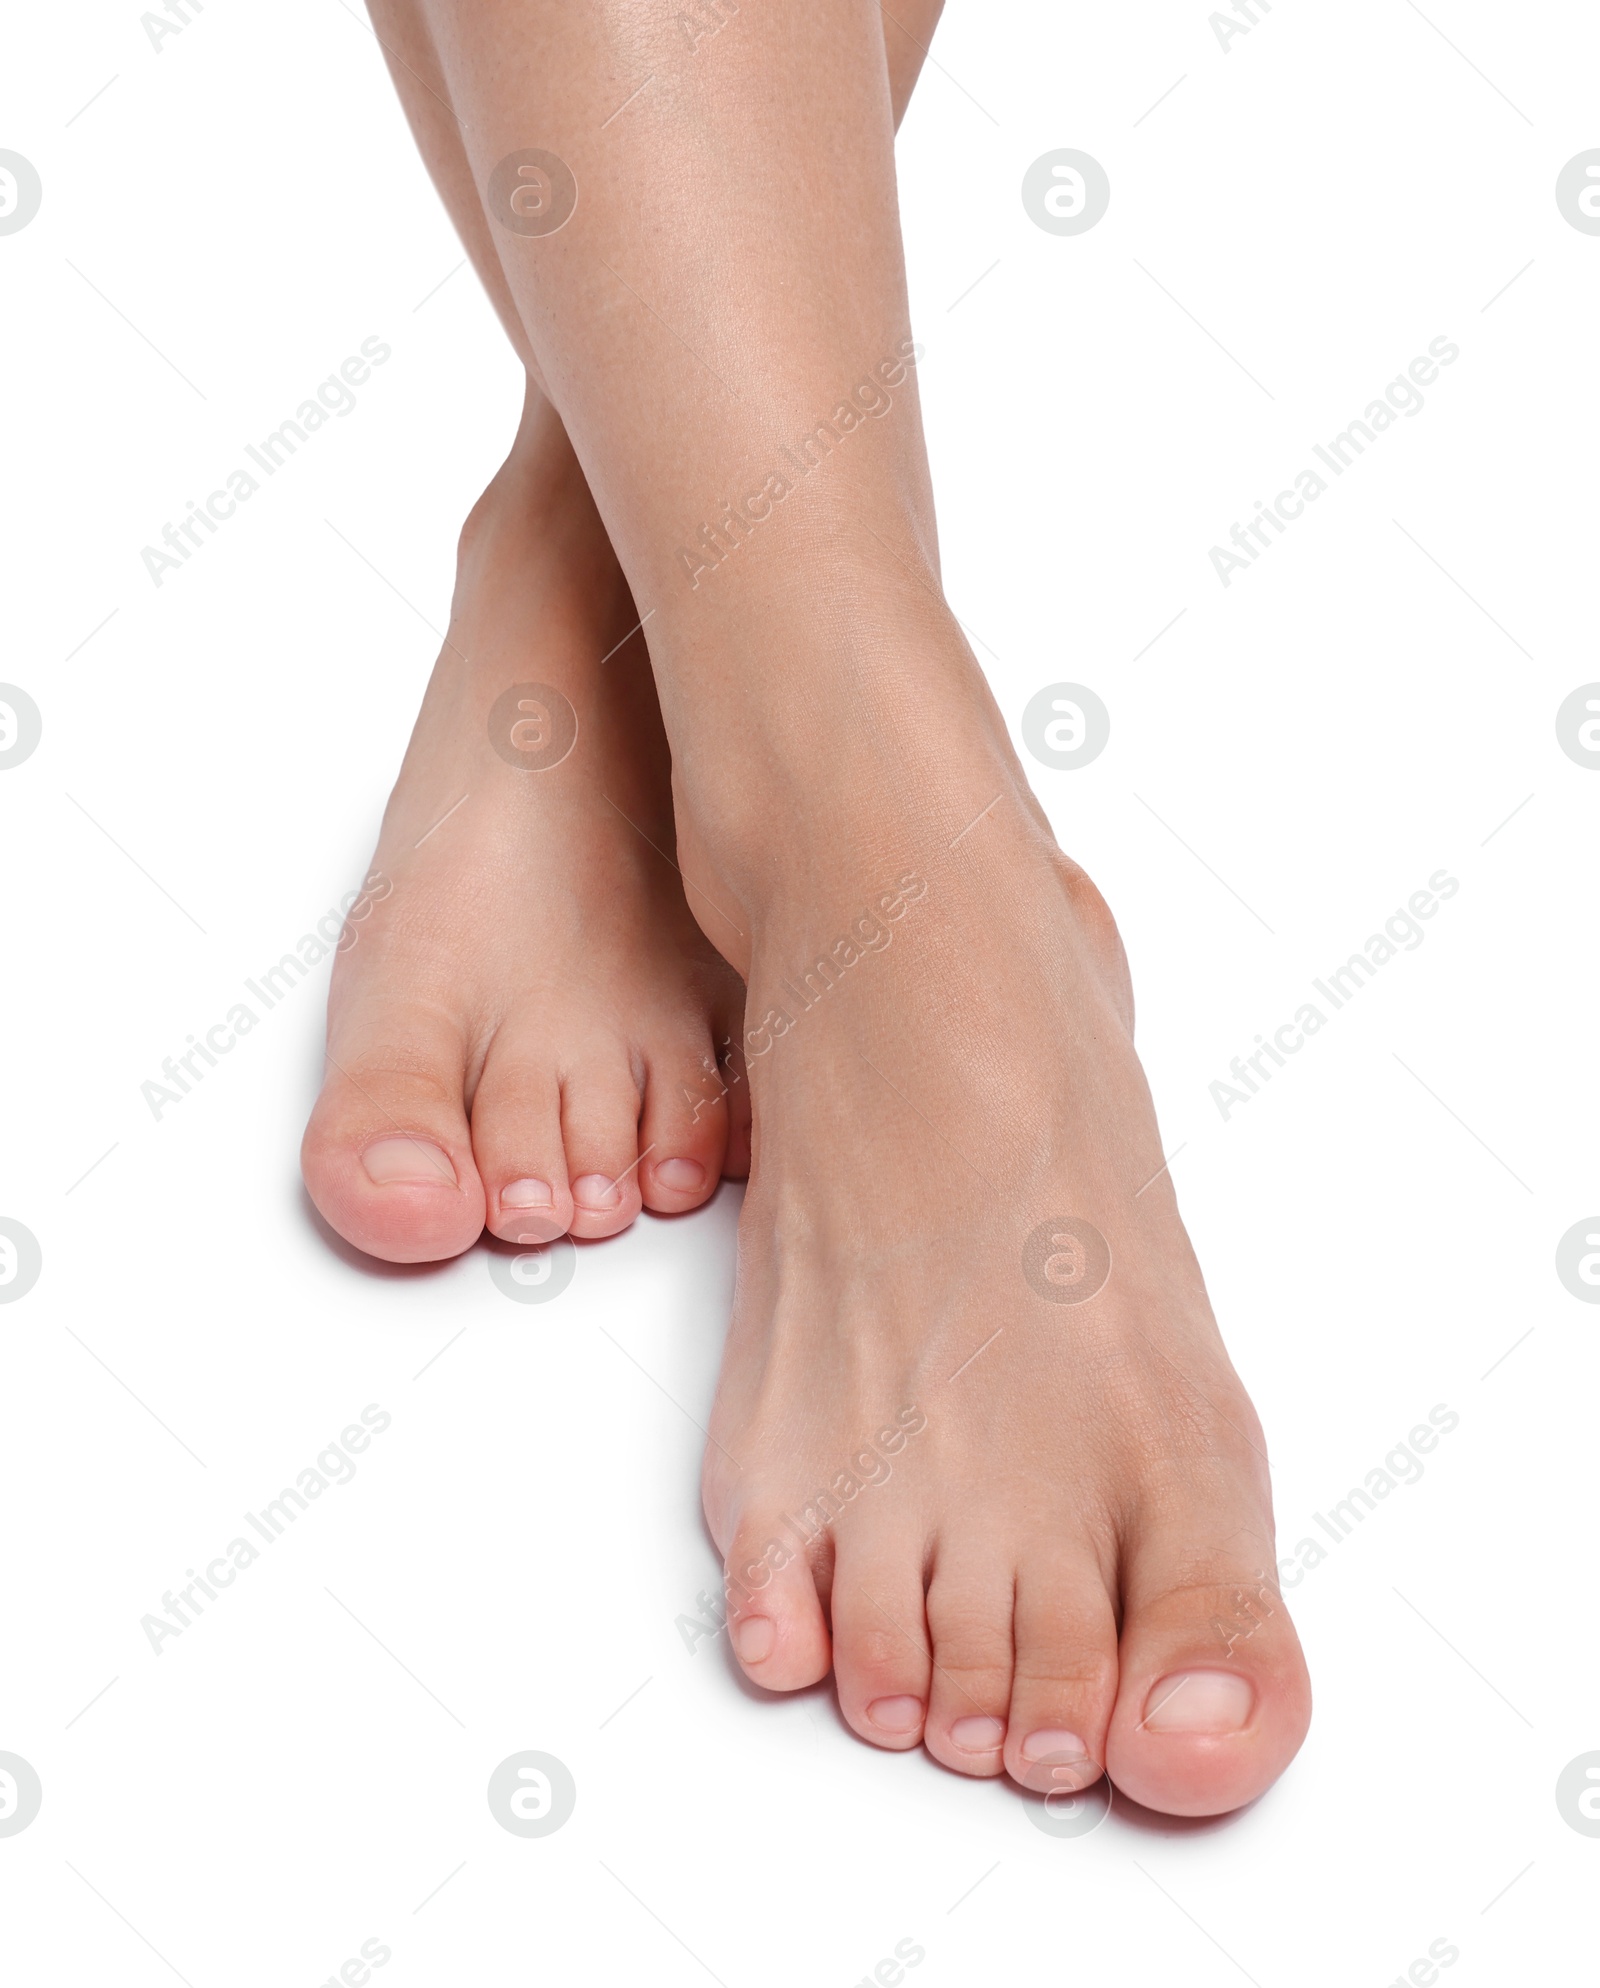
1213, 1699
387, 1156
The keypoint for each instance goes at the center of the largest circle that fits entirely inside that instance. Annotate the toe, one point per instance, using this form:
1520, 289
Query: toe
1066, 1673
684, 1127
881, 1655
600, 1099
775, 1618
970, 1603
1213, 1697
387, 1156
516, 1141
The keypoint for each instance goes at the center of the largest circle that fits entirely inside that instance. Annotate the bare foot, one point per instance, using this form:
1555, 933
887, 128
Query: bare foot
977, 1443
527, 1030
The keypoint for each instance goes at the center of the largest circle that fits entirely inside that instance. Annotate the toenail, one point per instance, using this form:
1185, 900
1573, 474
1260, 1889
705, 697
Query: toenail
409, 1162
1038, 1745
978, 1735
754, 1637
1199, 1701
595, 1191
896, 1715
527, 1194
681, 1176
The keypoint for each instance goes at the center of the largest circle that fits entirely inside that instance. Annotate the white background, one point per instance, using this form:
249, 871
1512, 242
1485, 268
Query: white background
306, 1766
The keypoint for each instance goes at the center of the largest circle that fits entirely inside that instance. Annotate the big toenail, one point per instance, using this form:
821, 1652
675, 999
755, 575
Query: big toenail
527, 1194
681, 1176
412, 1162
978, 1735
753, 1638
595, 1191
1199, 1701
1037, 1745
896, 1715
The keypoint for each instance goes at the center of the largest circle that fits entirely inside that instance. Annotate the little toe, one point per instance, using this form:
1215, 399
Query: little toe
1213, 1697
775, 1618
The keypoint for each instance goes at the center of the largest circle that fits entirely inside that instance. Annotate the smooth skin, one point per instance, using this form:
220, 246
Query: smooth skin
1063, 1568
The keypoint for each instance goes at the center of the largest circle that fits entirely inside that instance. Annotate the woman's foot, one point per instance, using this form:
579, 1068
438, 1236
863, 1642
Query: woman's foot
529, 1031
977, 1442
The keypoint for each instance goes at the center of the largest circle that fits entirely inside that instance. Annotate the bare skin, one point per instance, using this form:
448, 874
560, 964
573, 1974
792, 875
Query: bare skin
1064, 1570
